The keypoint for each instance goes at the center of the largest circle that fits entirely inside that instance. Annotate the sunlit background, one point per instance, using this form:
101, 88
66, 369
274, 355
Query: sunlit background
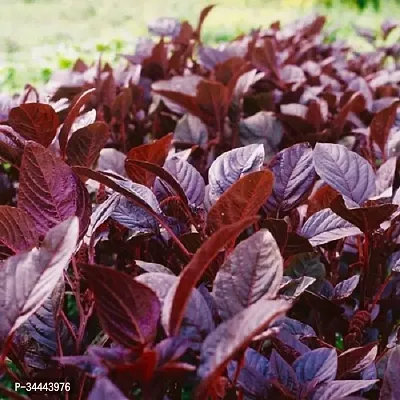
38, 36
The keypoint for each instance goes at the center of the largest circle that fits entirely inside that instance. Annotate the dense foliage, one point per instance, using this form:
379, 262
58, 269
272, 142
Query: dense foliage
205, 223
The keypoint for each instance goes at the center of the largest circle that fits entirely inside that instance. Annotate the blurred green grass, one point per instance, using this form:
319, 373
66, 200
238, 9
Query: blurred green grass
38, 36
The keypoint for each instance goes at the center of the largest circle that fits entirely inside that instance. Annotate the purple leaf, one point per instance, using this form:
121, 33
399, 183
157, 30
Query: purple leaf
188, 178
325, 226
345, 288
104, 389
335, 390
28, 279
391, 385
197, 321
295, 327
294, 174
153, 267
346, 171
132, 216
164, 26
263, 128
112, 160
231, 166
252, 271
279, 369
253, 375
191, 130
385, 177
318, 365
235, 335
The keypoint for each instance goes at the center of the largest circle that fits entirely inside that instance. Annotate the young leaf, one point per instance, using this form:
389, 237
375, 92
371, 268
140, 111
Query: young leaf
16, 229
198, 264
86, 143
49, 191
325, 226
112, 160
346, 171
345, 288
83, 99
28, 279
35, 121
382, 123
294, 174
321, 199
233, 336
243, 199
128, 310
231, 166
154, 153
252, 271
318, 365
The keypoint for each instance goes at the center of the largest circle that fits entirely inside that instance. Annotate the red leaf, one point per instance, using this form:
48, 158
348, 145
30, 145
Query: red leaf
355, 104
35, 121
321, 199
203, 15
128, 310
83, 99
86, 143
16, 229
382, 123
356, 359
198, 264
243, 199
154, 153
366, 219
49, 191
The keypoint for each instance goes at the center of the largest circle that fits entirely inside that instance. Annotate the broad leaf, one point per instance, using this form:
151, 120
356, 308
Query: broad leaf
82, 100
264, 128
191, 130
318, 365
243, 199
16, 229
49, 191
294, 174
198, 264
280, 370
355, 360
231, 166
340, 389
128, 310
188, 178
28, 279
253, 375
391, 385
346, 171
35, 121
112, 160
325, 226
252, 271
345, 288
382, 123
385, 177
86, 143
233, 336
155, 153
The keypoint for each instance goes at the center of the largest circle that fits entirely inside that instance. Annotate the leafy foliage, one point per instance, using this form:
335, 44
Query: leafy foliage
221, 221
